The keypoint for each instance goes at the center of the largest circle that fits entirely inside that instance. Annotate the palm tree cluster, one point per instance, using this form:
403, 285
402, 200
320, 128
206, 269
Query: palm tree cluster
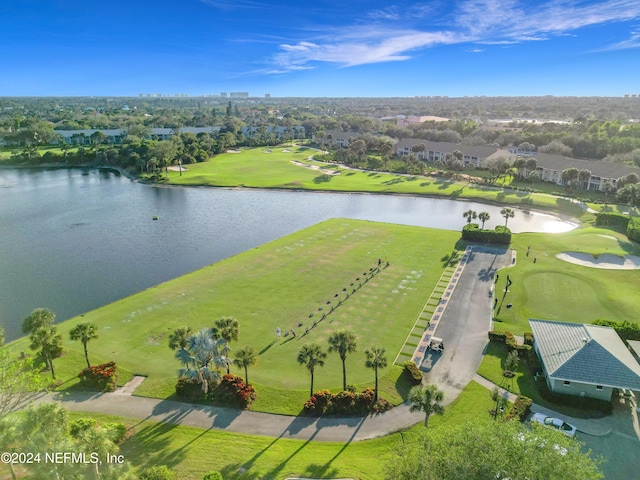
205, 353
472, 215
342, 342
332, 304
44, 335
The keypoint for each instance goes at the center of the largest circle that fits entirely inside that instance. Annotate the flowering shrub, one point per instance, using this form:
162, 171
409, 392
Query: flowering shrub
102, 377
232, 390
323, 402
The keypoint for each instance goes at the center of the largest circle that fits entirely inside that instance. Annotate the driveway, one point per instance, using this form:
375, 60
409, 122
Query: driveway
465, 322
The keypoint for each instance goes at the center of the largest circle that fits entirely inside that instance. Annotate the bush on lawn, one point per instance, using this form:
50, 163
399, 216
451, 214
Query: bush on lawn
233, 391
323, 402
472, 233
189, 389
625, 329
101, 377
612, 218
633, 231
528, 338
520, 409
412, 372
213, 476
160, 472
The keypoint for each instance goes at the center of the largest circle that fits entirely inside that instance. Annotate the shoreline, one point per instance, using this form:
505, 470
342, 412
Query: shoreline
525, 208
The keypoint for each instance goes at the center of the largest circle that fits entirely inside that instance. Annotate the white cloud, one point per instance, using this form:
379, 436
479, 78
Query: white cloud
631, 42
486, 22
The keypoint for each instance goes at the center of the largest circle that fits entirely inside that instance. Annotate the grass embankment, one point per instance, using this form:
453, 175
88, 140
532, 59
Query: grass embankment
255, 168
275, 285
192, 452
553, 289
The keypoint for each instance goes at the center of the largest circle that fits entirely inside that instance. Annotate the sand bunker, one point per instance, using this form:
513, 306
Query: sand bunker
606, 261
286, 150
233, 151
177, 168
315, 167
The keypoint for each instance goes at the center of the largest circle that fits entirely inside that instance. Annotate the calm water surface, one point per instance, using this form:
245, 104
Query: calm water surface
72, 240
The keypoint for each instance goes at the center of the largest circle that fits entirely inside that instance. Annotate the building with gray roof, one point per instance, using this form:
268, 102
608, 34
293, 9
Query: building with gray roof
584, 360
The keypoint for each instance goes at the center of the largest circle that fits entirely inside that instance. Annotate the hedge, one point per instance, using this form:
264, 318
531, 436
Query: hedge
627, 330
528, 338
472, 233
323, 402
509, 340
633, 231
612, 218
412, 372
520, 409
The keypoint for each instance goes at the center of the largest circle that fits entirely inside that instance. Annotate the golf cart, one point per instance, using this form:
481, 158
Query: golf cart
436, 344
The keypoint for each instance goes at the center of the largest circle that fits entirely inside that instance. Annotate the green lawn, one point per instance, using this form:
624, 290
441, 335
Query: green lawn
279, 284
192, 452
255, 168
523, 383
552, 289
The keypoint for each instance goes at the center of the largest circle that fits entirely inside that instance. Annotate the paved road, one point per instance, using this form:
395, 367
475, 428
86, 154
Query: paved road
465, 322
464, 328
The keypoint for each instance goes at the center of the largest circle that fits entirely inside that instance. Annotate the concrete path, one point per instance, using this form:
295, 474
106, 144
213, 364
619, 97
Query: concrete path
130, 386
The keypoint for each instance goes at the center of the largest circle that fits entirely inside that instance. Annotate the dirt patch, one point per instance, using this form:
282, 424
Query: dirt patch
604, 261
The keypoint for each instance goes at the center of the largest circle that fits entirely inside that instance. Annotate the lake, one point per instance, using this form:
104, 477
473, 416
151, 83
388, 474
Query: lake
72, 240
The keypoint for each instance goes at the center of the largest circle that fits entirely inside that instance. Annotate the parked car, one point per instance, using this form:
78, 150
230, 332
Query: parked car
556, 423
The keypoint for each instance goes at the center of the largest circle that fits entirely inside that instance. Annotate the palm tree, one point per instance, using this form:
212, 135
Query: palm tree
343, 342
97, 439
631, 192
84, 332
227, 329
583, 178
507, 213
49, 341
179, 338
204, 352
245, 357
311, 356
427, 399
470, 215
484, 217
376, 359
38, 318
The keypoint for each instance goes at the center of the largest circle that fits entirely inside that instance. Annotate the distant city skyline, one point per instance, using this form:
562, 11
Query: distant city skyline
320, 49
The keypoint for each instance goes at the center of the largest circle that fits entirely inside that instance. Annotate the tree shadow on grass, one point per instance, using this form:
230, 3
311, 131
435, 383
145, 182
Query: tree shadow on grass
322, 179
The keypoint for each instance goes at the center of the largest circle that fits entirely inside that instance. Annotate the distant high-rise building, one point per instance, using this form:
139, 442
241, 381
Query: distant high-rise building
239, 94
267, 95
223, 94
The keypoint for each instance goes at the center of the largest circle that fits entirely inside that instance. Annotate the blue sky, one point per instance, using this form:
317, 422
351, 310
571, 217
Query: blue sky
320, 48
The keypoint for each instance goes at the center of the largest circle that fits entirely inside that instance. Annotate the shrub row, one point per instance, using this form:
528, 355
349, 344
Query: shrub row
528, 338
627, 330
323, 402
412, 372
520, 409
510, 341
102, 377
612, 218
472, 233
